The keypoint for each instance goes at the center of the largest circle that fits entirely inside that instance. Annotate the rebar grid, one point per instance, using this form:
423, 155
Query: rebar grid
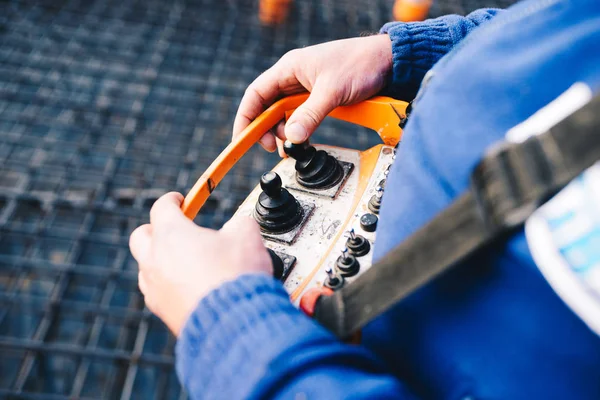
104, 106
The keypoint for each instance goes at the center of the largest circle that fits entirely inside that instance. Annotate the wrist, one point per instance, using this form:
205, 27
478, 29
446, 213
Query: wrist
249, 315
416, 47
384, 46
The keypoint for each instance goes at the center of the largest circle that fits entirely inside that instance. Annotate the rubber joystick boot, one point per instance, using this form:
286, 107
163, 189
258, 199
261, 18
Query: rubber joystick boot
375, 204
348, 265
315, 169
276, 211
334, 280
358, 245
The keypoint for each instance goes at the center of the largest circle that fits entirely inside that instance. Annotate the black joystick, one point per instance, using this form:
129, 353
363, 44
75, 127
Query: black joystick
347, 264
276, 211
277, 264
315, 169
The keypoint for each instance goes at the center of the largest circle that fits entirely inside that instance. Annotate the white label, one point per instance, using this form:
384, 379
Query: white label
564, 234
564, 239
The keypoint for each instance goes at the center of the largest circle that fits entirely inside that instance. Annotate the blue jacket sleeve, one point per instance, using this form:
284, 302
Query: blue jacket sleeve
246, 340
417, 46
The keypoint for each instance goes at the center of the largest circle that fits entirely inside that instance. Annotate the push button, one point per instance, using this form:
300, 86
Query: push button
368, 222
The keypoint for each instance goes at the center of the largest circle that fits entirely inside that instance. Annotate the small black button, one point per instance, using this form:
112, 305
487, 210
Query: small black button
368, 222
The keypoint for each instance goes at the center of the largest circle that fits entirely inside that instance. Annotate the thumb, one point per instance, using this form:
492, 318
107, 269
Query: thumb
305, 120
241, 226
166, 209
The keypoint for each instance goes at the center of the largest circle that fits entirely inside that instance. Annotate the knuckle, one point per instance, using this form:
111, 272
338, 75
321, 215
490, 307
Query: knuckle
243, 225
151, 305
250, 90
155, 206
166, 209
249, 225
312, 116
291, 54
167, 236
155, 211
253, 93
158, 206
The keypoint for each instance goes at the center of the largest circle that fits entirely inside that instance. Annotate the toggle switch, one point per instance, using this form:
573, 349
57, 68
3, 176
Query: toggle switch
375, 201
357, 244
347, 264
334, 281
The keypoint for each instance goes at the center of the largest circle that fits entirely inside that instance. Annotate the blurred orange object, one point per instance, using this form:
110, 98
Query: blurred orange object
411, 10
273, 12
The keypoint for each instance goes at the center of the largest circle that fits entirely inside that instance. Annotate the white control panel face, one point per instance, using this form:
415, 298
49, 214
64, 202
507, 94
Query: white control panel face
330, 215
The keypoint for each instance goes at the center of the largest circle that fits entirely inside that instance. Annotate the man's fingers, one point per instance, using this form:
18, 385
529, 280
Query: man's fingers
268, 142
259, 96
280, 150
142, 283
166, 210
279, 130
140, 244
309, 115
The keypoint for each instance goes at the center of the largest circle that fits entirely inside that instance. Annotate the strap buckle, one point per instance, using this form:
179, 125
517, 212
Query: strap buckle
511, 181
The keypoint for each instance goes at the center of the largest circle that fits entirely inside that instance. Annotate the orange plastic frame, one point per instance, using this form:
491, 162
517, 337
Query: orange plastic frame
382, 114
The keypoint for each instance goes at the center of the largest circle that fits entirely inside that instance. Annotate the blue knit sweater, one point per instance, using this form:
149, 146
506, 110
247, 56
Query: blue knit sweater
491, 328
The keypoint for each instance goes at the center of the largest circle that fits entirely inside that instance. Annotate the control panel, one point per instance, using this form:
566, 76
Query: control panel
318, 209
318, 212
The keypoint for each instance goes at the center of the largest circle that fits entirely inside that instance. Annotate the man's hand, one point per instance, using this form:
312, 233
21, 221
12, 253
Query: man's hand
336, 73
180, 262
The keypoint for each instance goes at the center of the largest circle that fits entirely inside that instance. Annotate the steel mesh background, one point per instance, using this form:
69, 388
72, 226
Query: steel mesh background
105, 105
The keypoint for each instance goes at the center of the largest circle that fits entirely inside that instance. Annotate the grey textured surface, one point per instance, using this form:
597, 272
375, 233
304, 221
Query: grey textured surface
104, 105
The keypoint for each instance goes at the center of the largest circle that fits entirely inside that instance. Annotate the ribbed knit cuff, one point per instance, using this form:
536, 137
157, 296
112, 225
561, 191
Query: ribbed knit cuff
416, 47
244, 323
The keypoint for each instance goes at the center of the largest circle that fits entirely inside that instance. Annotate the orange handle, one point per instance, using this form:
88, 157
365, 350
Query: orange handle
382, 114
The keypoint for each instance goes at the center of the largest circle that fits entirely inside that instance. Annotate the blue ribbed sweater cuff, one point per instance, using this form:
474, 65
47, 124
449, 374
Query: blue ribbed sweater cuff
250, 318
417, 46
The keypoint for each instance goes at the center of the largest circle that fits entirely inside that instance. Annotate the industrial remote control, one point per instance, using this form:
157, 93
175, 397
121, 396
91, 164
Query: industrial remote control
318, 208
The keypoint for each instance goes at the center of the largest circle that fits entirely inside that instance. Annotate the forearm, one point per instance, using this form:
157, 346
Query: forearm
246, 340
417, 46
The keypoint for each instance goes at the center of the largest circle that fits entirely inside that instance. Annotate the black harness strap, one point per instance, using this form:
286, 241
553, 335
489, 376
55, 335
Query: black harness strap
510, 182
